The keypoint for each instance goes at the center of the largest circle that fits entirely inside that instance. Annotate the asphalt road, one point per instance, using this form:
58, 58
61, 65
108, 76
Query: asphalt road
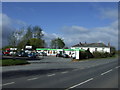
62, 73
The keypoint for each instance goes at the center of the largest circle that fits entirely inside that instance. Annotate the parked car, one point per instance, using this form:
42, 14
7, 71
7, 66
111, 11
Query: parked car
39, 55
22, 54
32, 55
59, 55
65, 56
44, 54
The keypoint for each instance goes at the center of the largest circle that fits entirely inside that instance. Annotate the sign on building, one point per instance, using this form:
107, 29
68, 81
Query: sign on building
28, 47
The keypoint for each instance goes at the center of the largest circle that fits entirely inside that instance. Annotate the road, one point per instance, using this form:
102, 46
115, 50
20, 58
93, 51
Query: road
62, 73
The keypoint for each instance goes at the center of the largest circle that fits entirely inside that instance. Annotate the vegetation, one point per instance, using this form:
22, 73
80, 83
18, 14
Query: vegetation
113, 50
6, 47
102, 54
30, 36
86, 54
9, 62
57, 43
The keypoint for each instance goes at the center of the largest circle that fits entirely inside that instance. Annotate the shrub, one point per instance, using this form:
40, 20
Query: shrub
102, 54
83, 55
89, 54
96, 54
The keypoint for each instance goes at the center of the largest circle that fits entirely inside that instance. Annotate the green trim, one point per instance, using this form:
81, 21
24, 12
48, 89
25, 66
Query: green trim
68, 49
61, 49
41, 48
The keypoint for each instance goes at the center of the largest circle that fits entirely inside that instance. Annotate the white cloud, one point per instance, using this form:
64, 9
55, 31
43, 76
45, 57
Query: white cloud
75, 34
48, 37
108, 13
8, 25
6, 28
74, 29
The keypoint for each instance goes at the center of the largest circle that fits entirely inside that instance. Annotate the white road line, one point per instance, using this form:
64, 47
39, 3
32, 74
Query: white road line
117, 67
106, 72
32, 79
8, 83
50, 75
65, 72
79, 84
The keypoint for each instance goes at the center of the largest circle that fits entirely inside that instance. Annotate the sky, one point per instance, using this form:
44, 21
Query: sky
74, 22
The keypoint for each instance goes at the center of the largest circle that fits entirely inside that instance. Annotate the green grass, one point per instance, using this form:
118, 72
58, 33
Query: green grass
9, 62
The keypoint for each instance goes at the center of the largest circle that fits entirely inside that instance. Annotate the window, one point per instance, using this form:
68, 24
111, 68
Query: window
53, 52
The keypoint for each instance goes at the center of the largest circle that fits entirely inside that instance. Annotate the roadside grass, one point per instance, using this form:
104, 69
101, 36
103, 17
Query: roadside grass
74, 60
9, 62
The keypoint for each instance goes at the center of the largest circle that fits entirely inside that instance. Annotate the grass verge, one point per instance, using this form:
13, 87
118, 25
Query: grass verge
9, 62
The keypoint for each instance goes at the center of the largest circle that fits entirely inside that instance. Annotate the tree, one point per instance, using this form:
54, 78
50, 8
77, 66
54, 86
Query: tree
37, 32
7, 47
22, 44
35, 42
15, 37
12, 39
57, 43
28, 34
33, 36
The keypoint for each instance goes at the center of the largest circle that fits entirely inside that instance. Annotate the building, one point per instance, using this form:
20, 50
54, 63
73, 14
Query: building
53, 52
100, 47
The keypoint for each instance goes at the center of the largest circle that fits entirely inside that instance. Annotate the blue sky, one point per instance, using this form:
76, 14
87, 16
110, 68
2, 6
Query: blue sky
59, 18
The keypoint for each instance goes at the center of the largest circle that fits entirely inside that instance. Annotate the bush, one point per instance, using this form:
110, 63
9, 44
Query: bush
86, 54
83, 55
89, 54
102, 54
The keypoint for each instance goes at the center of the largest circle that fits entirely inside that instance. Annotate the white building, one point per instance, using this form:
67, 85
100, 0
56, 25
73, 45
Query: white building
100, 47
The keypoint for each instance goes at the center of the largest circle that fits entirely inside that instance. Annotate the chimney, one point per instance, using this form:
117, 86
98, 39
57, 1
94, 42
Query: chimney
109, 44
80, 43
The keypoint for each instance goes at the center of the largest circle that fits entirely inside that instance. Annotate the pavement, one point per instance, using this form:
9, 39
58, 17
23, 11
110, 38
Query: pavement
52, 72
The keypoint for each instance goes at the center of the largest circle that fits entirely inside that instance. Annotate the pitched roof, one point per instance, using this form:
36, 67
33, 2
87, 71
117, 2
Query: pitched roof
90, 45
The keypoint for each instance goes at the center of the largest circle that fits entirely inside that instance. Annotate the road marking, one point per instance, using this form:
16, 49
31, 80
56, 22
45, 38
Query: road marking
50, 75
32, 79
117, 67
79, 84
8, 83
106, 72
65, 72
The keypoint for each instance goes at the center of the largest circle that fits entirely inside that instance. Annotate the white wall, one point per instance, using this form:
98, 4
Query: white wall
92, 49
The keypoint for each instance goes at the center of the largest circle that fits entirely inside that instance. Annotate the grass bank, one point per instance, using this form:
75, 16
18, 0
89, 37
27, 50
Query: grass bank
9, 62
